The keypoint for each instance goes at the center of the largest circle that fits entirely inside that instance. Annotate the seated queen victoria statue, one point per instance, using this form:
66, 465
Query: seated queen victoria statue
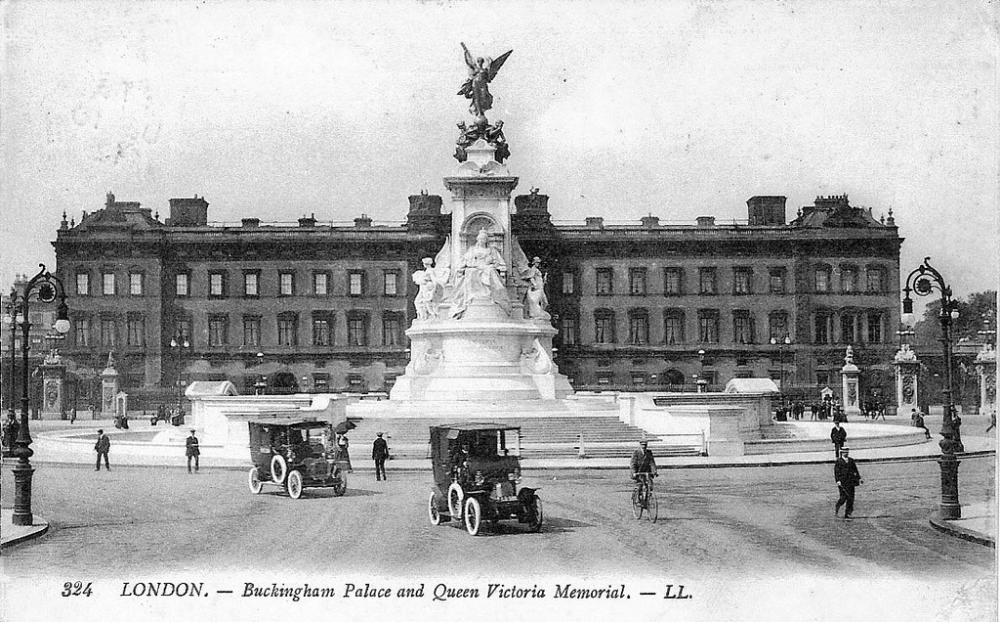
479, 276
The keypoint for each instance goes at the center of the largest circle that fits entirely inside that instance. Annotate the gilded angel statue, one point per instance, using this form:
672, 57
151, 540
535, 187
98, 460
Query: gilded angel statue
476, 88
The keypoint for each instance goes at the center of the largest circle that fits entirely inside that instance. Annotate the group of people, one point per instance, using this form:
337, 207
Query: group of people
821, 411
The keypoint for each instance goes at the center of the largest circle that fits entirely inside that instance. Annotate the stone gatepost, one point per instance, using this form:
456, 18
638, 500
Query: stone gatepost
986, 365
907, 380
109, 386
849, 374
53, 387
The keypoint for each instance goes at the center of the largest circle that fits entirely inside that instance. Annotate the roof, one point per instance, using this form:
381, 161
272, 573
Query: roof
291, 423
476, 425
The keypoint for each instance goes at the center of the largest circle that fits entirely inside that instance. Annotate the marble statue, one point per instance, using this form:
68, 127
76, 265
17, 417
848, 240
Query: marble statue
535, 301
481, 275
428, 285
476, 87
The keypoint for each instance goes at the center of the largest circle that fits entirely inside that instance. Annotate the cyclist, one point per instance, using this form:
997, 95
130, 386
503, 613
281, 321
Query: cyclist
642, 461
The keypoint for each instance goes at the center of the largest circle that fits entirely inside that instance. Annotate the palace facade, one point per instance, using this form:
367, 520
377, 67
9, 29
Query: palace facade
313, 306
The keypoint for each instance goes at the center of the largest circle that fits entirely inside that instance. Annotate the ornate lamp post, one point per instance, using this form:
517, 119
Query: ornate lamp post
261, 385
45, 287
179, 345
924, 281
787, 341
700, 376
12, 318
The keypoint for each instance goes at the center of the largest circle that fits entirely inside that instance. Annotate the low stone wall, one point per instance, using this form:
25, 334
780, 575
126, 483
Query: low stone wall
808, 436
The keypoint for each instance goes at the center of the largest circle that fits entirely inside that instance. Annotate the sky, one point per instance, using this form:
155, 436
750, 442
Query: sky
677, 109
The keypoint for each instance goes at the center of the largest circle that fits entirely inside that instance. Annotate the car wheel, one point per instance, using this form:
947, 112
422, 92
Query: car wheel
253, 481
294, 484
473, 516
279, 469
432, 509
455, 497
340, 488
536, 522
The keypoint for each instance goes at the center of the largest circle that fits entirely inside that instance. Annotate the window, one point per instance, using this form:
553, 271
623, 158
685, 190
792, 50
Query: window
638, 327
847, 328
567, 331
706, 280
321, 383
708, 326
637, 281
81, 327
135, 283
356, 283
355, 383
672, 282
136, 331
822, 377
604, 377
322, 331
181, 285
874, 328
673, 327
218, 329
251, 284
357, 330
638, 378
107, 332
874, 277
822, 280
743, 329
742, 281
82, 284
108, 283
776, 280
568, 282
821, 326
321, 282
604, 282
392, 330
286, 283
216, 284
848, 280
390, 280
251, 330
777, 326
604, 326
182, 329
288, 329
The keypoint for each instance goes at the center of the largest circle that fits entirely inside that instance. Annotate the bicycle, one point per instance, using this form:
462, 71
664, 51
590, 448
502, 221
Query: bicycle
643, 498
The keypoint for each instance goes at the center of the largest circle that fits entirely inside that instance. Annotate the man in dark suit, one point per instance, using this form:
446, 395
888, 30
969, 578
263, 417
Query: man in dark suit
102, 447
837, 436
192, 451
845, 472
380, 452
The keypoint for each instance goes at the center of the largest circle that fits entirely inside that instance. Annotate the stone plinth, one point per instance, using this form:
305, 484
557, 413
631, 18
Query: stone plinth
986, 365
849, 375
907, 372
53, 391
109, 388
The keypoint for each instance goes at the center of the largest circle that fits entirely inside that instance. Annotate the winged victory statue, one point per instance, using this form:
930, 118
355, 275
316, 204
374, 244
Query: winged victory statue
482, 70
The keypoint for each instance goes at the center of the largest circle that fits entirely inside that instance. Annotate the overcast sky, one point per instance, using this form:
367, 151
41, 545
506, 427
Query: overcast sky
678, 109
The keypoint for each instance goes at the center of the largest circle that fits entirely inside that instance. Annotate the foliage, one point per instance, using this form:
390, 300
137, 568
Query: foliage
972, 314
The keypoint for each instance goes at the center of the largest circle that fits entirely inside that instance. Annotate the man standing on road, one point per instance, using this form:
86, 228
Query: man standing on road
837, 436
380, 452
192, 451
102, 447
845, 471
918, 421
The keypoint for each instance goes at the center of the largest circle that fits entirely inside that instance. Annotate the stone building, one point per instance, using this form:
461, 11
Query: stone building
313, 306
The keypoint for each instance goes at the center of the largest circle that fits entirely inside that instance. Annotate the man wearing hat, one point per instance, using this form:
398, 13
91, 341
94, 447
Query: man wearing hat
642, 460
380, 452
192, 451
838, 436
847, 476
102, 447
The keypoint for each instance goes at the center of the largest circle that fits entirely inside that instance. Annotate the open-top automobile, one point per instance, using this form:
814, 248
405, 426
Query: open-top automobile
294, 454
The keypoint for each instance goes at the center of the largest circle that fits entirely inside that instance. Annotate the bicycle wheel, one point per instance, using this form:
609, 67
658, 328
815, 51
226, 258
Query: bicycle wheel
652, 510
637, 503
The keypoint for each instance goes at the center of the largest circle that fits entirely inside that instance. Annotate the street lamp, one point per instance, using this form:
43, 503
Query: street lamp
924, 280
12, 318
179, 344
261, 383
700, 379
781, 362
46, 287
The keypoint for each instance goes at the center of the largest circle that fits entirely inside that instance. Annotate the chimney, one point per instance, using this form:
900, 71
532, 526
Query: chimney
594, 222
186, 212
364, 221
310, 221
251, 223
706, 221
650, 222
766, 210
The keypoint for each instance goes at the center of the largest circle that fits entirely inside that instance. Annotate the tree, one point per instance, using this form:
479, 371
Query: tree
971, 315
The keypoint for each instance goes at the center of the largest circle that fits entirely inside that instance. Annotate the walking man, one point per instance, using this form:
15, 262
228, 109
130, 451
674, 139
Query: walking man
918, 421
845, 471
837, 436
380, 452
102, 447
192, 451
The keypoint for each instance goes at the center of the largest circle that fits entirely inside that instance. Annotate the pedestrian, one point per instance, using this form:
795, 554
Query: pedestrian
837, 436
192, 451
380, 453
845, 472
93, 412
9, 431
343, 455
72, 415
918, 421
102, 447
993, 421
813, 411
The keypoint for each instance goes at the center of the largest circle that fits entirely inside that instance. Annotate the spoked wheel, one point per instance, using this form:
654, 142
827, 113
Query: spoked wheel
340, 488
637, 503
473, 516
535, 524
279, 469
294, 484
432, 510
455, 495
651, 506
253, 481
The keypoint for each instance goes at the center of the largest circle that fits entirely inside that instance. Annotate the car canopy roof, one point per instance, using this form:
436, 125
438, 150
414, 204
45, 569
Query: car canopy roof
291, 423
486, 426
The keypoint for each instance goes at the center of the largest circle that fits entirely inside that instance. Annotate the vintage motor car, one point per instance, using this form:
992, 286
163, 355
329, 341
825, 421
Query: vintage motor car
477, 472
294, 454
